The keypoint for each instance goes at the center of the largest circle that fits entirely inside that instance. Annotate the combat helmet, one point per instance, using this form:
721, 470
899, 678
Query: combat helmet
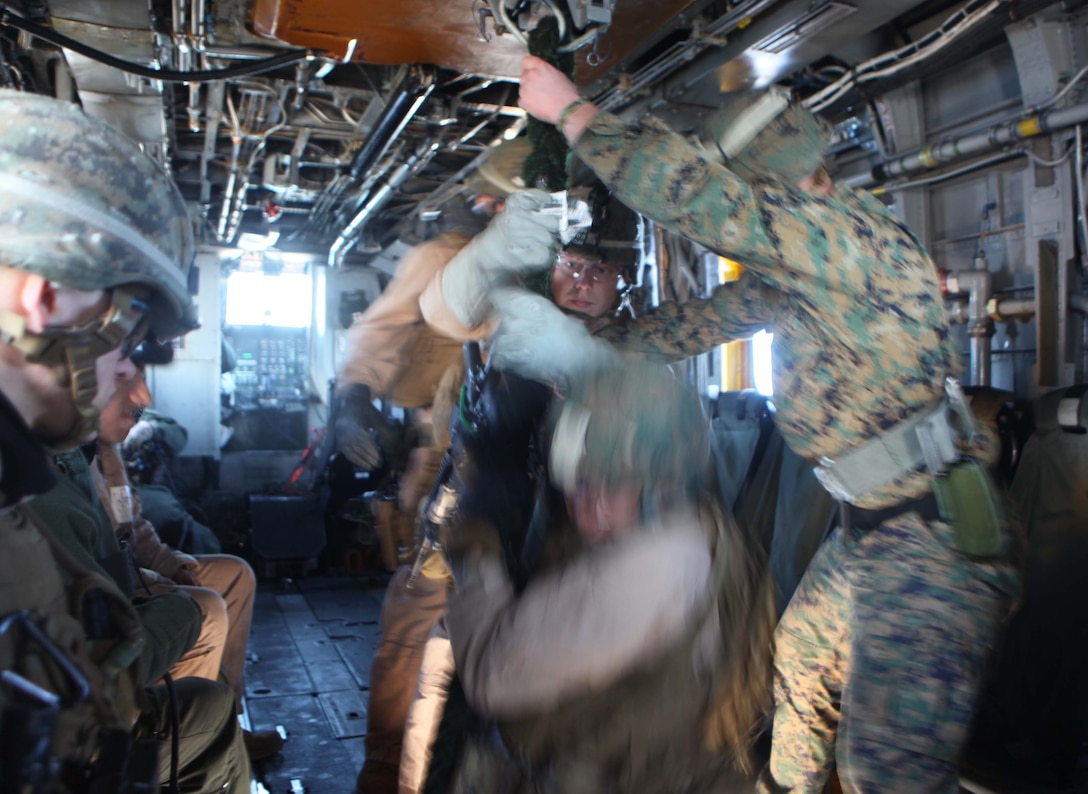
766, 133
628, 422
82, 206
614, 234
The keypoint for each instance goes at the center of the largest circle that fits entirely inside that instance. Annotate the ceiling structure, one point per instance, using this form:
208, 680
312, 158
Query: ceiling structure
339, 126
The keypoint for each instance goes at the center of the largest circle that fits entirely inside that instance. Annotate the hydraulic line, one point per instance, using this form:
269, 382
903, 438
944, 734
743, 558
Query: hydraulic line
988, 140
166, 75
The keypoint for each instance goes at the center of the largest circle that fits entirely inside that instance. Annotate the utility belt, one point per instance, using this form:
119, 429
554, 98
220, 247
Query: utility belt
963, 494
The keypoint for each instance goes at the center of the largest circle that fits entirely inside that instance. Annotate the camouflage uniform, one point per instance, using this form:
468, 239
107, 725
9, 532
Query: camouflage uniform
885, 640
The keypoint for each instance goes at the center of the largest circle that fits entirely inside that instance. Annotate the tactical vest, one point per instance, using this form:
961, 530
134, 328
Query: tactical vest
653, 731
68, 659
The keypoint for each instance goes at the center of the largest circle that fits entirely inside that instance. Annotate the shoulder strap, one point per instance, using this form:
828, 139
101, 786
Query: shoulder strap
114, 490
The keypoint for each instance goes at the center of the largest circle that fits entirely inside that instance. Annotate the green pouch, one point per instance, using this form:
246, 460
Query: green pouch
970, 501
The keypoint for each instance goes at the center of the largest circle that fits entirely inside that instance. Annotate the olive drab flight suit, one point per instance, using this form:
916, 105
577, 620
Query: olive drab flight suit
33, 566
171, 621
30, 583
880, 652
228, 584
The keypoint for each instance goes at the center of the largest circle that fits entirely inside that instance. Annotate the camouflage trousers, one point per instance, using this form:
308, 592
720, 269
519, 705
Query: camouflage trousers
879, 659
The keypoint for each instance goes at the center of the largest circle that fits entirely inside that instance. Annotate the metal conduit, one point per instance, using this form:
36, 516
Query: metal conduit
394, 118
932, 155
377, 199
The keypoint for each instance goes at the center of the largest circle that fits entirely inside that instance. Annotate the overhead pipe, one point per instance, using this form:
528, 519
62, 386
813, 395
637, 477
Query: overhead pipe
377, 199
187, 19
978, 285
1010, 308
196, 38
10, 19
395, 117
229, 191
947, 150
179, 24
216, 94
239, 53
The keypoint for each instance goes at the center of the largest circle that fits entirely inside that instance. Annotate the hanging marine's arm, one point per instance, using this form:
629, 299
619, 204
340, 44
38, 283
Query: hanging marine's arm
457, 301
660, 175
799, 240
674, 331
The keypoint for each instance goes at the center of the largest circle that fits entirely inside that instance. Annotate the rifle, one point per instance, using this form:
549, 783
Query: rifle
443, 498
29, 721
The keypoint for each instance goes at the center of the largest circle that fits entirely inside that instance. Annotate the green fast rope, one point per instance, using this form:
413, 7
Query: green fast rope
546, 164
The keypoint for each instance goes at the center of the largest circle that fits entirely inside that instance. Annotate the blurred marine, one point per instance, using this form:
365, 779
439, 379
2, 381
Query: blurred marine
880, 653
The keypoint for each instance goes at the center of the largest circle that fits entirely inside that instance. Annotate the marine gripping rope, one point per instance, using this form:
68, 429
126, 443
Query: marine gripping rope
546, 165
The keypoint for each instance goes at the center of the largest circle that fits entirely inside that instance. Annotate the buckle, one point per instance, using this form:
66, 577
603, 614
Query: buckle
831, 482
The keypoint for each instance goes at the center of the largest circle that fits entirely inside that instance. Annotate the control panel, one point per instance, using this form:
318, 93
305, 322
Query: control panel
268, 408
273, 367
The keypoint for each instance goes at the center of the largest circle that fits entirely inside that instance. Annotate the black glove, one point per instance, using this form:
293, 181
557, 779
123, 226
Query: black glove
495, 470
356, 425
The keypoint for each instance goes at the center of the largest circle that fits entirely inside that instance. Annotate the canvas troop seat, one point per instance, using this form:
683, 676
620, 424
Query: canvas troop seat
1036, 707
773, 492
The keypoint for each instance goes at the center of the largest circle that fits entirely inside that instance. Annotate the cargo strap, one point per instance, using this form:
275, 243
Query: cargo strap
927, 441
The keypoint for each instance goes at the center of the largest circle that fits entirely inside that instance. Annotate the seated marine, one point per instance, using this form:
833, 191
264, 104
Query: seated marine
94, 250
222, 585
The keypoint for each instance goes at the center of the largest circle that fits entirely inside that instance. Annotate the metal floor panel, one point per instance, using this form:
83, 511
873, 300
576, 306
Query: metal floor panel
357, 653
310, 653
345, 711
324, 764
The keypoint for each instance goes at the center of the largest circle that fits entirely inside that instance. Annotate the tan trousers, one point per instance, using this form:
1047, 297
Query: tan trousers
408, 615
226, 600
425, 713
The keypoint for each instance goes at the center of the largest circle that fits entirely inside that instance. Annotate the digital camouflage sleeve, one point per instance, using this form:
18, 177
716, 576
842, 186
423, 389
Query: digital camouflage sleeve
861, 338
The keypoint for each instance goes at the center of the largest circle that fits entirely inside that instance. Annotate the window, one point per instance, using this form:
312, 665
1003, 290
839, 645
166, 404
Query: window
761, 362
284, 301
